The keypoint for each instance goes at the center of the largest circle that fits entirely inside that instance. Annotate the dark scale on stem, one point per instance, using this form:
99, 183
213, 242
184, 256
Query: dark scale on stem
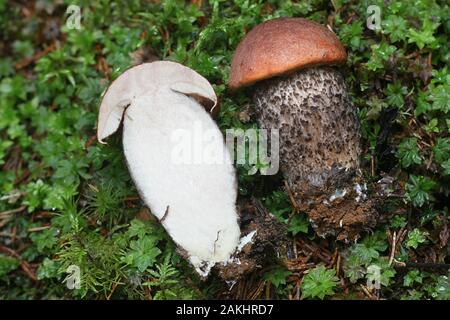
319, 145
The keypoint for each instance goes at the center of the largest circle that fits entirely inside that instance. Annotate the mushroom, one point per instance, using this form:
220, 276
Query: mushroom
296, 89
160, 104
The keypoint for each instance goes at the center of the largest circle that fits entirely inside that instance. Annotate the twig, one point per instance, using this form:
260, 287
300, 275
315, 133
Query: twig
295, 249
90, 141
267, 290
368, 294
165, 215
38, 229
10, 212
6, 234
11, 196
13, 234
334, 257
297, 293
424, 265
372, 166
394, 242
338, 265
5, 221
430, 161
255, 295
23, 264
114, 286
27, 61
291, 196
401, 235
132, 198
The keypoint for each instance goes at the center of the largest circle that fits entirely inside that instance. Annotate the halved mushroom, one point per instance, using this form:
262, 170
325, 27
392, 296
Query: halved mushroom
297, 91
194, 198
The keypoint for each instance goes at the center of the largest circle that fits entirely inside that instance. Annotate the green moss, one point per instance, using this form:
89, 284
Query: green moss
81, 192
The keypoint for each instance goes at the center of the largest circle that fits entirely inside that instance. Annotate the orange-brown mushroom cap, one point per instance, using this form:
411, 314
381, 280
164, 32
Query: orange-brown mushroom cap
282, 46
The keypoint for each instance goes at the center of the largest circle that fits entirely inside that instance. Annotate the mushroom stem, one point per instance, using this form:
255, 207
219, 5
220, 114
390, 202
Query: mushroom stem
319, 147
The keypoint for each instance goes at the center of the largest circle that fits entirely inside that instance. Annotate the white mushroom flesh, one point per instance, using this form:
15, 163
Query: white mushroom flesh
177, 157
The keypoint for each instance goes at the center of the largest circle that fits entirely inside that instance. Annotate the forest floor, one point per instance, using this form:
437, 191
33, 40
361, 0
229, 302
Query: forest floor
67, 200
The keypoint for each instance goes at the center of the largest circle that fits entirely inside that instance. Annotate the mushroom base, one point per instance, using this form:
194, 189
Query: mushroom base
344, 213
263, 241
319, 148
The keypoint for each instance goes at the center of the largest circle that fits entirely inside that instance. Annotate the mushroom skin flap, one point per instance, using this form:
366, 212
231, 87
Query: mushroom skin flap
179, 163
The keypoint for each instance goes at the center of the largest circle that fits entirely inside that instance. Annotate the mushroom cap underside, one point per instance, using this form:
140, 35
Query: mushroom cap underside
282, 46
143, 79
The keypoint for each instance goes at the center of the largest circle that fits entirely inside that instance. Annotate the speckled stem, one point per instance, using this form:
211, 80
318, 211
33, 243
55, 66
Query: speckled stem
319, 147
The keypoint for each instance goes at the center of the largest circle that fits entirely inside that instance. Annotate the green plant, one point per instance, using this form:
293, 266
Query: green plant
76, 195
278, 204
418, 190
412, 277
319, 282
105, 202
362, 259
408, 153
442, 288
415, 238
7, 264
166, 278
143, 253
278, 276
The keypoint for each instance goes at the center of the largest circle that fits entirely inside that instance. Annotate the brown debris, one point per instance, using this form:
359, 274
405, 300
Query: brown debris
103, 67
144, 54
444, 234
346, 217
24, 265
25, 62
268, 242
345, 221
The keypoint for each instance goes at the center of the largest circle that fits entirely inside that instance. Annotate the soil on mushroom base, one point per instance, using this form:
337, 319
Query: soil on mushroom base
268, 240
345, 219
